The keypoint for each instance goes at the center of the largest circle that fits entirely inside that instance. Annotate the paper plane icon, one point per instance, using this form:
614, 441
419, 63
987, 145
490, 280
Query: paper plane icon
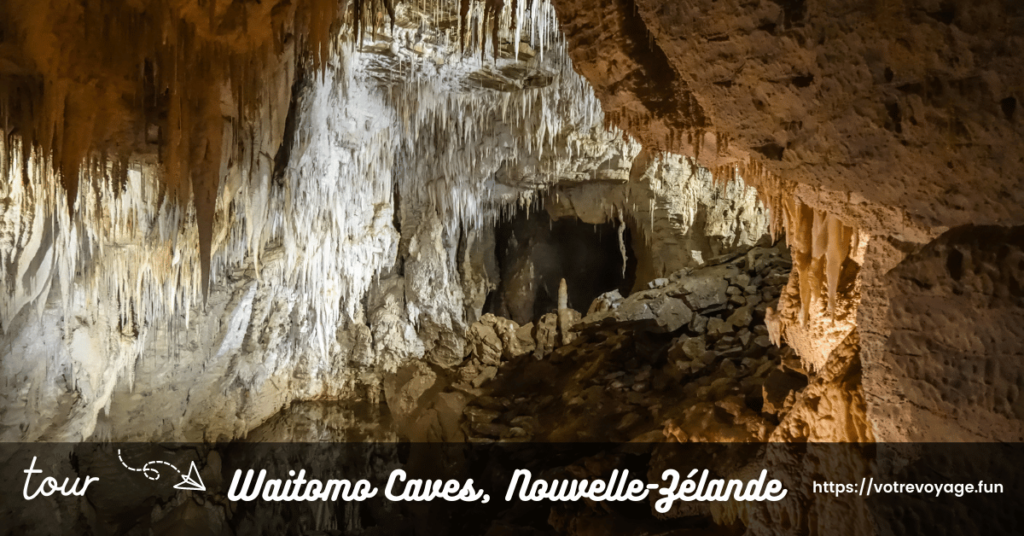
191, 481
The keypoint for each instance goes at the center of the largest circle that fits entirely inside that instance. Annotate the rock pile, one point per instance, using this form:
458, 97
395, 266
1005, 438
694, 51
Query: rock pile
687, 359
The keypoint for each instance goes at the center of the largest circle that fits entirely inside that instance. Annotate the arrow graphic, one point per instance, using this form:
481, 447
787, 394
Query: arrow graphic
189, 482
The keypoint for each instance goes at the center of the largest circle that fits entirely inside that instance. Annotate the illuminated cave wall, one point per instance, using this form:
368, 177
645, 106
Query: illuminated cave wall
870, 129
231, 219
258, 217
299, 224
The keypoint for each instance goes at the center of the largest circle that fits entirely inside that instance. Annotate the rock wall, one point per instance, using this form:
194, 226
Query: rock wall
908, 106
869, 129
936, 377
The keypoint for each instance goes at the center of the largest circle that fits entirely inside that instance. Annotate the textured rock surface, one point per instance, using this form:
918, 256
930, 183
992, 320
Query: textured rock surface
908, 106
938, 376
870, 129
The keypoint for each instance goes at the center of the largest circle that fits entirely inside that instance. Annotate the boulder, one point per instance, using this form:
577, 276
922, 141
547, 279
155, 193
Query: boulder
718, 327
706, 288
648, 311
605, 302
658, 283
487, 374
567, 318
699, 324
485, 344
694, 347
546, 331
741, 317
524, 342
669, 314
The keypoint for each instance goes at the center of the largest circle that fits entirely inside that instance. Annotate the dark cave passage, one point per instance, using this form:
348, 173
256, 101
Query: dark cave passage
535, 252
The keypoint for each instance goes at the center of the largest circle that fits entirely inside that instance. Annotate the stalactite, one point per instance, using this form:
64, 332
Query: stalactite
820, 244
185, 65
192, 59
151, 234
622, 243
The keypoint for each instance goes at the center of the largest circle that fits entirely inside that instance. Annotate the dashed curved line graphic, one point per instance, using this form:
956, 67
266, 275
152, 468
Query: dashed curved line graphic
146, 470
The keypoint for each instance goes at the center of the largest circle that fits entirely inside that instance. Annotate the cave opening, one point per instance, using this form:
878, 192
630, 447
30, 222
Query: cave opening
535, 252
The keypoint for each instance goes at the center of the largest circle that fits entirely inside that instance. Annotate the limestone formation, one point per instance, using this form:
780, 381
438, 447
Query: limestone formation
636, 221
344, 226
864, 147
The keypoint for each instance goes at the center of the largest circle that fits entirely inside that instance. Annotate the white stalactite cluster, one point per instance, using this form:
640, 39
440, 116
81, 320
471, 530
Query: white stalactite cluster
328, 269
